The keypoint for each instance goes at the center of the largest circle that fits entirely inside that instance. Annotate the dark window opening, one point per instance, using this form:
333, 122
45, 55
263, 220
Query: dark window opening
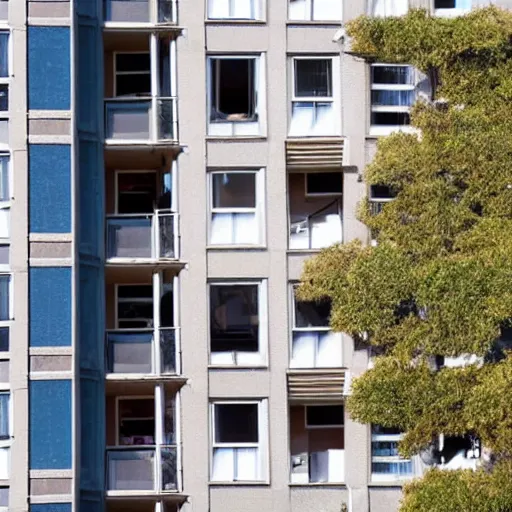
445, 4
135, 306
167, 307
382, 192
233, 92
133, 74
137, 422
236, 423
137, 192
312, 314
325, 183
324, 415
391, 118
313, 78
234, 322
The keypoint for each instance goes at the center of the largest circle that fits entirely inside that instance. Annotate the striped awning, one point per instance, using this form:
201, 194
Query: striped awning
316, 385
315, 153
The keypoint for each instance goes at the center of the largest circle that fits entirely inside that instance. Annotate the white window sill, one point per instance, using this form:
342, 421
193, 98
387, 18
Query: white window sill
320, 23
239, 247
318, 484
233, 21
382, 131
240, 484
262, 366
451, 13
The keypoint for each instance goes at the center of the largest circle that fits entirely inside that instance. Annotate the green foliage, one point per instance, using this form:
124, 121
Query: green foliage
439, 280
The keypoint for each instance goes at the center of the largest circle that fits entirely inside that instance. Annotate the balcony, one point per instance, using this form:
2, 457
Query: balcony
134, 238
142, 470
137, 121
141, 12
143, 352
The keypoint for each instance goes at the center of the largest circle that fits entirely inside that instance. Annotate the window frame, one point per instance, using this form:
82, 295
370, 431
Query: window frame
307, 426
334, 99
311, 18
391, 459
117, 173
451, 12
239, 128
117, 73
258, 11
381, 129
262, 324
261, 445
258, 210
118, 400
116, 309
371, 9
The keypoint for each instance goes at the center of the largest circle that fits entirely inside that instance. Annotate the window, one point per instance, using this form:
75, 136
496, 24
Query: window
239, 447
4, 85
315, 10
314, 345
136, 421
132, 74
235, 10
5, 200
136, 192
236, 95
324, 416
4, 416
134, 306
238, 323
315, 206
237, 208
313, 109
387, 464
394, 90
4, 491
452, 7
388, 7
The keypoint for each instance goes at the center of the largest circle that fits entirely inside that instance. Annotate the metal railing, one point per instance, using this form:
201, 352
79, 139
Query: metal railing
132, 120
143, 351
146, 236
141, 11
136, 469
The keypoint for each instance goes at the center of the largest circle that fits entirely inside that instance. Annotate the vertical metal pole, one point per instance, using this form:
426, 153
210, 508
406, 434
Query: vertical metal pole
157, 293
174, 87
159, 430
154, 135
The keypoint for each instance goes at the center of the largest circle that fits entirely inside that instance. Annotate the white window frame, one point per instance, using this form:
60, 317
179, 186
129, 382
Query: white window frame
258, 210
326, 426
261, 445
337, 337
310, 8
262, 325
130, 73
240, 128
453, 11
391, 459
376, 129
258, 9
334, 99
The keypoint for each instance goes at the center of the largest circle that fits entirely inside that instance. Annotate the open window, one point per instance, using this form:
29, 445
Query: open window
237, 207
239, 441
387, 463
236, 95
236, 9
387, 7
315, 10
317, 443
394, 89
132, 74
238, 323
314, 106
314, 345
315, 209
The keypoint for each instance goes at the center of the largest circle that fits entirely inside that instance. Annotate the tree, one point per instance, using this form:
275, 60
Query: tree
439, 281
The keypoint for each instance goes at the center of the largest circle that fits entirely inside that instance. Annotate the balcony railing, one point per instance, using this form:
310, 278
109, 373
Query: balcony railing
149, 120
144, 237
140, 11
143, 351
134, 470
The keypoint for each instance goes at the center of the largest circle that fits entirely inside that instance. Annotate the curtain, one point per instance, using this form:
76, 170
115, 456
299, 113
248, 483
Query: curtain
324, 122
298, 10
327, 10
310, 118
4, 222
242, 9
329, 351
389, 7
303, 350
218, 9
4, 463
246, 464
234, 228
223, 465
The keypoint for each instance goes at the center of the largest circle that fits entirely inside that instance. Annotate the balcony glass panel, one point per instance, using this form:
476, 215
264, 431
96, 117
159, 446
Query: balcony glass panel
131, 470
169, 468
130, 351
166, 235
128, 120
129, 237
166, 121
168, 350
166, 11
127, 11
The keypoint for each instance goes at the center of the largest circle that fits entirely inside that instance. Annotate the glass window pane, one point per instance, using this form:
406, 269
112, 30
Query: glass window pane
322, 415
234, 190
4, 297
4, 97
4, 339
391, 118
396, 75
393, 98
313, 77
4, 54
444, 4
4, 415
324, 182
312, 314
136, 192
234, 319
133, 62
4, 178
236, 423
4, 255
4, 496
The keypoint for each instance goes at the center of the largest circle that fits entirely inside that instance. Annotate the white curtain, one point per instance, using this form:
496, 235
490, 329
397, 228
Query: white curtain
309, 118
303, 349
243, 9
5, 462
325, 231
389, 7
246, 464
324, 122
223, 469
327, 10
218, 9
298, 10
4, 222
234, 228
329, 352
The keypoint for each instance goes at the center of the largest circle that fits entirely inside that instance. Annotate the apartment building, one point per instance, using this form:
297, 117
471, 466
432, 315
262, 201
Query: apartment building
165, 170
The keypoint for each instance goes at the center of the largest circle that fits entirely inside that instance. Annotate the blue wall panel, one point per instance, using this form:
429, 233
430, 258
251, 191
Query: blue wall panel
49, 69
50, 306
50, 424
50, 188
51, 507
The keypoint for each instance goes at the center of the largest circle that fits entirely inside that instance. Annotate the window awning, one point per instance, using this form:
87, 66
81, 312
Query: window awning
316, 385
309, 153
